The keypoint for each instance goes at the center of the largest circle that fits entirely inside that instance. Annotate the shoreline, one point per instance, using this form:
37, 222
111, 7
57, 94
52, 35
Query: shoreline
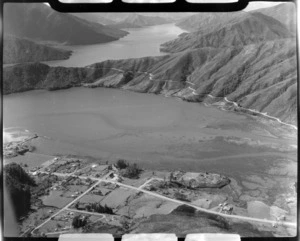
243, 111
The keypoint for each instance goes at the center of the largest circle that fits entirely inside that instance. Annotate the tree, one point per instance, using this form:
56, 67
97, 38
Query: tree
100, 209
132, 171
108, 210
171, 177
79, 221
88, 207
121, 164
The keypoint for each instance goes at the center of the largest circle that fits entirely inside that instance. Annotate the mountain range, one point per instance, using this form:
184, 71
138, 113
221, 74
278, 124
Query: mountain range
41, 23
284, 13
94, 17
258, 76
118, 17
248, 58
132, 20
235, 29
138, 21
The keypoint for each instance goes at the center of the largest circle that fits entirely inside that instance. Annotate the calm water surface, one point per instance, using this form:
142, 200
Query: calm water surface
96, 121
110, 123
140, 42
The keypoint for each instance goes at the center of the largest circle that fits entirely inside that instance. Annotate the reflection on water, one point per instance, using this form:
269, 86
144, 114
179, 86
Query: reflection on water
139, 42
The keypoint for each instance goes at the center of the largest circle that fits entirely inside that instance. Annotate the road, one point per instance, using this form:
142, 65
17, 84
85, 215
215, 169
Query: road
194, 93
203, 209
59, 232
67, 206
250, 110
75, 200
140, 189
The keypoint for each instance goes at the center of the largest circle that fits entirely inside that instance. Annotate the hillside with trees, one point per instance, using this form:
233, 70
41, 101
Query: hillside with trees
40, 22
17, 185
18, 50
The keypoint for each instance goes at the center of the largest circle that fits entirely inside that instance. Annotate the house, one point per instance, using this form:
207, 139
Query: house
81, 206
97, 192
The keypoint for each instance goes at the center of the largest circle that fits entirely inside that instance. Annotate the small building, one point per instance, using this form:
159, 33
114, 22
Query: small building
81, 206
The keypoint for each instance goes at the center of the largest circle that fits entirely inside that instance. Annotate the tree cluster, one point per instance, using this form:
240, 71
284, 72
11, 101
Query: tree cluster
121, 164
79, 221
96, 207
17, 185
132, 171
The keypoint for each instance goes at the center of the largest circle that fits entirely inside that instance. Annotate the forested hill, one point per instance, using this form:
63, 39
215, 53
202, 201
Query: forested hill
284, 13
238, 29
40, 22
260, 76
18, 50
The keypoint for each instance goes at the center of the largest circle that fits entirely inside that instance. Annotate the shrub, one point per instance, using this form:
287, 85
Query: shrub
181, 196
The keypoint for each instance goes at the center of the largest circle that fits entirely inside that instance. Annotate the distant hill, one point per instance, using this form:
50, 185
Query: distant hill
285, 13
39, 22
18, 50
205, 21
138, 21
94, 17
261, 76
235, 30
118, 17
169, 15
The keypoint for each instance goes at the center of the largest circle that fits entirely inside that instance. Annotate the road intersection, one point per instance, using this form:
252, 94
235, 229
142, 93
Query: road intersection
141, 189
